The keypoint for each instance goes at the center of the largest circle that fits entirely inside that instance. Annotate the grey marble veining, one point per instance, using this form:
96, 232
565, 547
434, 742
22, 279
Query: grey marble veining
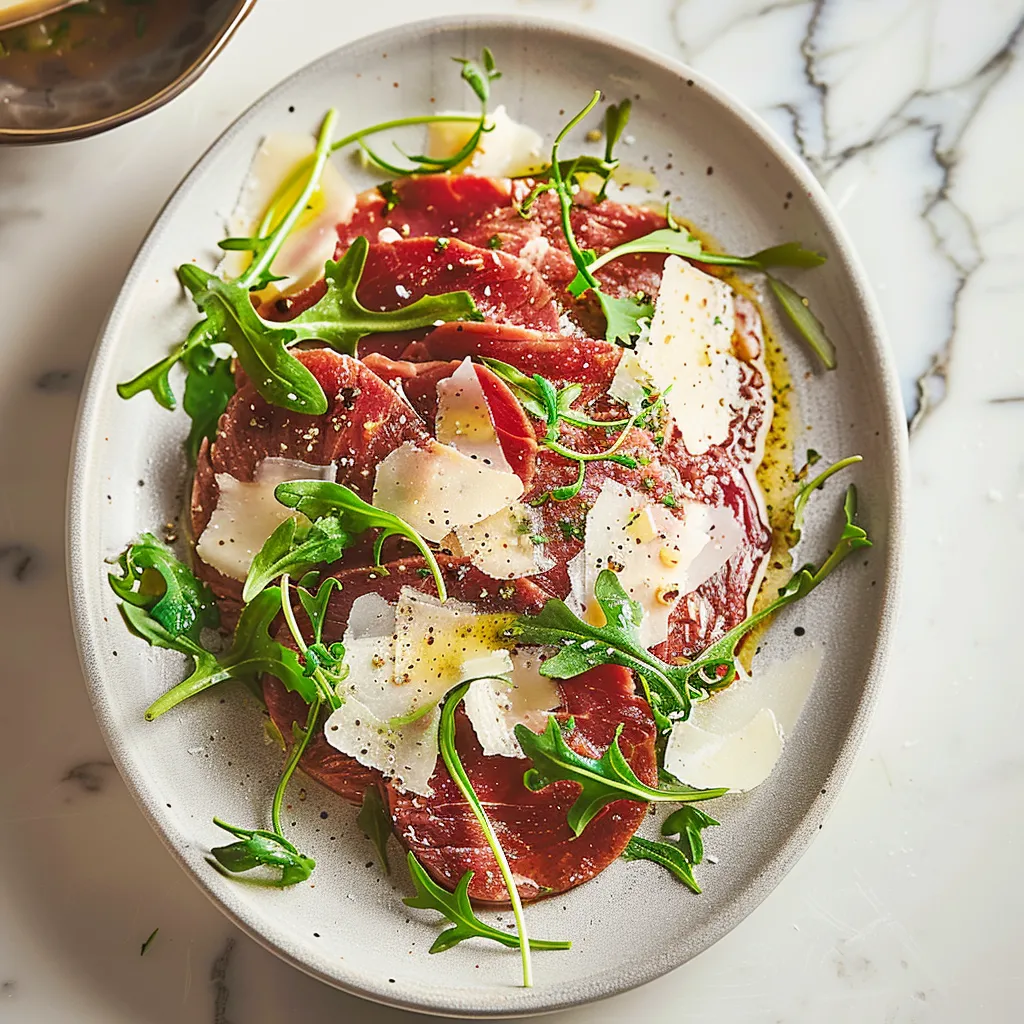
909, 111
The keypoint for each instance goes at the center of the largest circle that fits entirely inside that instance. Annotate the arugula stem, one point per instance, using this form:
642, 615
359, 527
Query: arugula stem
454, 765
805, 492
298, 749
565, 197
277, 238
323, 686
296, 176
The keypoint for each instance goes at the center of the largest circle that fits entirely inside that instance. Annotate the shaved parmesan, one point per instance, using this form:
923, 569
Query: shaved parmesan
247, 513
503, 545
402, 661
689, 349
735, 737
313, 239
496, 707
739, 760
464, 418
374, 726
659, 554
436, 488
433, 641
505, 150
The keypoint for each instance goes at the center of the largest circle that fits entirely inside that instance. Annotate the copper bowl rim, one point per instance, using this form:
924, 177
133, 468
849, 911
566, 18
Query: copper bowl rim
35, 136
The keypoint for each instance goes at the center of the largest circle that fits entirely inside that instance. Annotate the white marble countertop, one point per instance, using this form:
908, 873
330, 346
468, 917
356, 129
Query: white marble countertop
908, 906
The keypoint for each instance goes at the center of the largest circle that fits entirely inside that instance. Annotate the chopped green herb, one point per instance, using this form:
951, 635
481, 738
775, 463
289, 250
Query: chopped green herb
145, 945
494, 242
390, 196
570, 530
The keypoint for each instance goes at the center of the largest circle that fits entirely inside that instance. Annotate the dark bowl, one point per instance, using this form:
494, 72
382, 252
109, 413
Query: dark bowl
81, 72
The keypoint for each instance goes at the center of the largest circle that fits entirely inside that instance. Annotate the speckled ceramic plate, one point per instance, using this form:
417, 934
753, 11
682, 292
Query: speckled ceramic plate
633, 922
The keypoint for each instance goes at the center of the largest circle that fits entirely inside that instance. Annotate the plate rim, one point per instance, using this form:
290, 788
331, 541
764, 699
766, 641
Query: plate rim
873, 344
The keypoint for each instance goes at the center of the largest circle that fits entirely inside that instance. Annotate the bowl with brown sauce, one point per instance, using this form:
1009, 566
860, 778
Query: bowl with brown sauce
100, 63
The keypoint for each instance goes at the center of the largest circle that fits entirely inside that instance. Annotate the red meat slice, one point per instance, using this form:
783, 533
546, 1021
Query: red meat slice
419, 385
505, 289
365, 421
432, 205
545, 856
722, 476
532, 827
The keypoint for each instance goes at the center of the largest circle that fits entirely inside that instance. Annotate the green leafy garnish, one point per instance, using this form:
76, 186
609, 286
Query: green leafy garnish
799, 312
264, 249
616, 116
253, 653
390, 196
154, 581
670, 689
316, 499
455, 906
680, 857
625, 316
375, 822
478, 76
539, 397
673, 240
209, 385
258, 848
805, 492
324, 666
341, 320
295, 548
602, 780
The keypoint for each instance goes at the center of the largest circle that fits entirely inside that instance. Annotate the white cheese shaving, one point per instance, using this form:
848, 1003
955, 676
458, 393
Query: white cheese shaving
314, 238
736, 737
738, 760
495, 707
502, 545
463, 418
506, 150
659, 554
436, 488
365, 726
247, 513
689, 348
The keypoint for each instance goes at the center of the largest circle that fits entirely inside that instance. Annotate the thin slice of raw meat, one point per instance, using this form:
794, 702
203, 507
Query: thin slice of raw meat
364, 422
544, 855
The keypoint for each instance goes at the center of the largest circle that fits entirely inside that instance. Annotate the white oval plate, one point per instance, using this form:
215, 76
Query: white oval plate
633, 922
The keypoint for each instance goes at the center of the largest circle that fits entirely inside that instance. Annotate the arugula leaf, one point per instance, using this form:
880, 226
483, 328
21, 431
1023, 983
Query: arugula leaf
799, 312
673, 240
616, 116
688, 822
450, 756
375, 822
582, 646
680, 858
295, 548
805, 492
316, 499
253, 652
716, 666
390, 196
601, 780
670, 689
478, 76
668, 855
315, 604
155, 581
156, 378
262, 349
457, 908
209, 385
341, 320
625, 318
258, 848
